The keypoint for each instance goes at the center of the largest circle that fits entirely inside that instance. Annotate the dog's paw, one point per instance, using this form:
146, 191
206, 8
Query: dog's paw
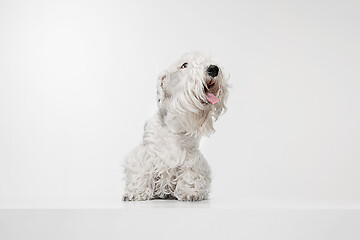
128, 198
192, 197
132, 197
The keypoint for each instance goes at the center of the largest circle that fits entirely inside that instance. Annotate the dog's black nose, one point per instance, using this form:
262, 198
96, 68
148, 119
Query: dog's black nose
213, 70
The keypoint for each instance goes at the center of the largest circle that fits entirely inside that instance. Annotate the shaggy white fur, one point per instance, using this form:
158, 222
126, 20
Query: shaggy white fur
168, 163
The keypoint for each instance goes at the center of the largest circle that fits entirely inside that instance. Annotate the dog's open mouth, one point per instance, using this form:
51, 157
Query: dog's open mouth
210, 91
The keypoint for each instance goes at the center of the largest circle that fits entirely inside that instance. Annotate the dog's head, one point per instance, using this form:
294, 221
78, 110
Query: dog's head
193, 92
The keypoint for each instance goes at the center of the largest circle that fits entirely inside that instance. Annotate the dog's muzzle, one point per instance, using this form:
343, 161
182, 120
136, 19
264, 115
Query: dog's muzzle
211, 85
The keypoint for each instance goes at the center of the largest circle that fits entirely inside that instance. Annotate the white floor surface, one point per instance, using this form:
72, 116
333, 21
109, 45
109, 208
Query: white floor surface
212, 219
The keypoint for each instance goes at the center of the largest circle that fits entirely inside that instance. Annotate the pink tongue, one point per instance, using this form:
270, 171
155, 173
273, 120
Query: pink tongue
211, 98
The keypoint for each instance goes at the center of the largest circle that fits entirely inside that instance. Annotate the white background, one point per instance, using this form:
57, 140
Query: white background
78, 79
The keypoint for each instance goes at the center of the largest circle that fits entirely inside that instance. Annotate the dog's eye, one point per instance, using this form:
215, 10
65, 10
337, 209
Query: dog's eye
184, 65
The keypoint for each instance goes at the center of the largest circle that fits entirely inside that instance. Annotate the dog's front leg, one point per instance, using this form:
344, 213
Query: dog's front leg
139, 189
193, 185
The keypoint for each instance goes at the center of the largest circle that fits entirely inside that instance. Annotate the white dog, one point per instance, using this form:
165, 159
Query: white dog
168, 164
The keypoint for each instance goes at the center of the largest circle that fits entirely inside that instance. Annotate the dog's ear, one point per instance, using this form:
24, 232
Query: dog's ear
161, 88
